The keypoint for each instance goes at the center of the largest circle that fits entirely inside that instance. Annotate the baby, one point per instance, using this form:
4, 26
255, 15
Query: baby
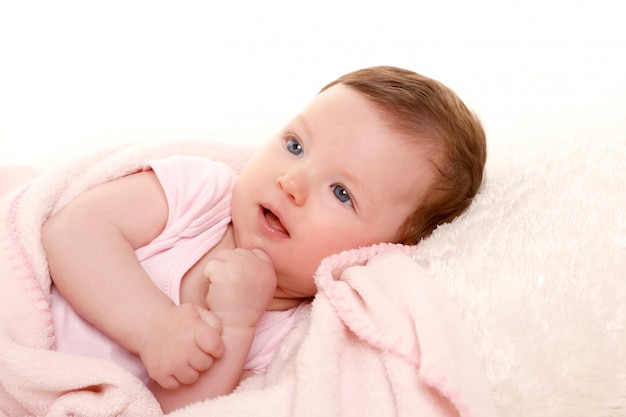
189, 276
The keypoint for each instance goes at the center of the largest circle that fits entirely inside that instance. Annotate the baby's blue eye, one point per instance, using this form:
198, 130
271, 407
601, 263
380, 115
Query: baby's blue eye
294, 147
342, 194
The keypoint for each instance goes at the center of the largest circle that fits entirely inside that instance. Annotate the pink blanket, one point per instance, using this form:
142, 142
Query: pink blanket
380, 339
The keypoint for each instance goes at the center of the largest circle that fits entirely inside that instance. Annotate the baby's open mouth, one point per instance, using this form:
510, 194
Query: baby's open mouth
274, 221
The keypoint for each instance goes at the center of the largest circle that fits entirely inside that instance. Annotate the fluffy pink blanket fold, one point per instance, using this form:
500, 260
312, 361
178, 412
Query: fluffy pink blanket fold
380, 339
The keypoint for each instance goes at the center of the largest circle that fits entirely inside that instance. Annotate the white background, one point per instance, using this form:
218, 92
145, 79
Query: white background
78, 74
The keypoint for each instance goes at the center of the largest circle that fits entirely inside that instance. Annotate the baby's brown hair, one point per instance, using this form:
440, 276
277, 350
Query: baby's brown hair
430, 112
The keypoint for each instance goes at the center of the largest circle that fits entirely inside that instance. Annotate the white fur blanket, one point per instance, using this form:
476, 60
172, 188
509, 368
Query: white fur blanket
537, 267
380, 338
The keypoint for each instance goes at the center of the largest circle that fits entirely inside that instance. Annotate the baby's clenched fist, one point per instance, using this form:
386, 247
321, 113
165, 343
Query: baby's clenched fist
242, 283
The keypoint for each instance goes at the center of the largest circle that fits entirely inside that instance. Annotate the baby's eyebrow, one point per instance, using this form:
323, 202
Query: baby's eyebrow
301, 120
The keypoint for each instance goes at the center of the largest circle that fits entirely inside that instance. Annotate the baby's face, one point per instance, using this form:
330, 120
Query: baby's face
335, 178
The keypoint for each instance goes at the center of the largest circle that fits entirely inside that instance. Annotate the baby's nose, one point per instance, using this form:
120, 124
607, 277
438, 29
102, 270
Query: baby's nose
294, 185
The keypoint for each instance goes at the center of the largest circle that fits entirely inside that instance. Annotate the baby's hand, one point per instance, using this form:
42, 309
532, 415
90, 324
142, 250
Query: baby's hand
242, 282
179, 343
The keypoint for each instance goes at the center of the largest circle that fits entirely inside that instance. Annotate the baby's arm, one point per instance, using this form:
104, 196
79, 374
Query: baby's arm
242, 284
90, 246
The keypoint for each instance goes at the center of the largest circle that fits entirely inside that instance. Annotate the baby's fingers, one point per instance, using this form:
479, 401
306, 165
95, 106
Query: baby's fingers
183, 375
201, 361
209, 340
187, 375
261, 254
210, 319
168, 382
